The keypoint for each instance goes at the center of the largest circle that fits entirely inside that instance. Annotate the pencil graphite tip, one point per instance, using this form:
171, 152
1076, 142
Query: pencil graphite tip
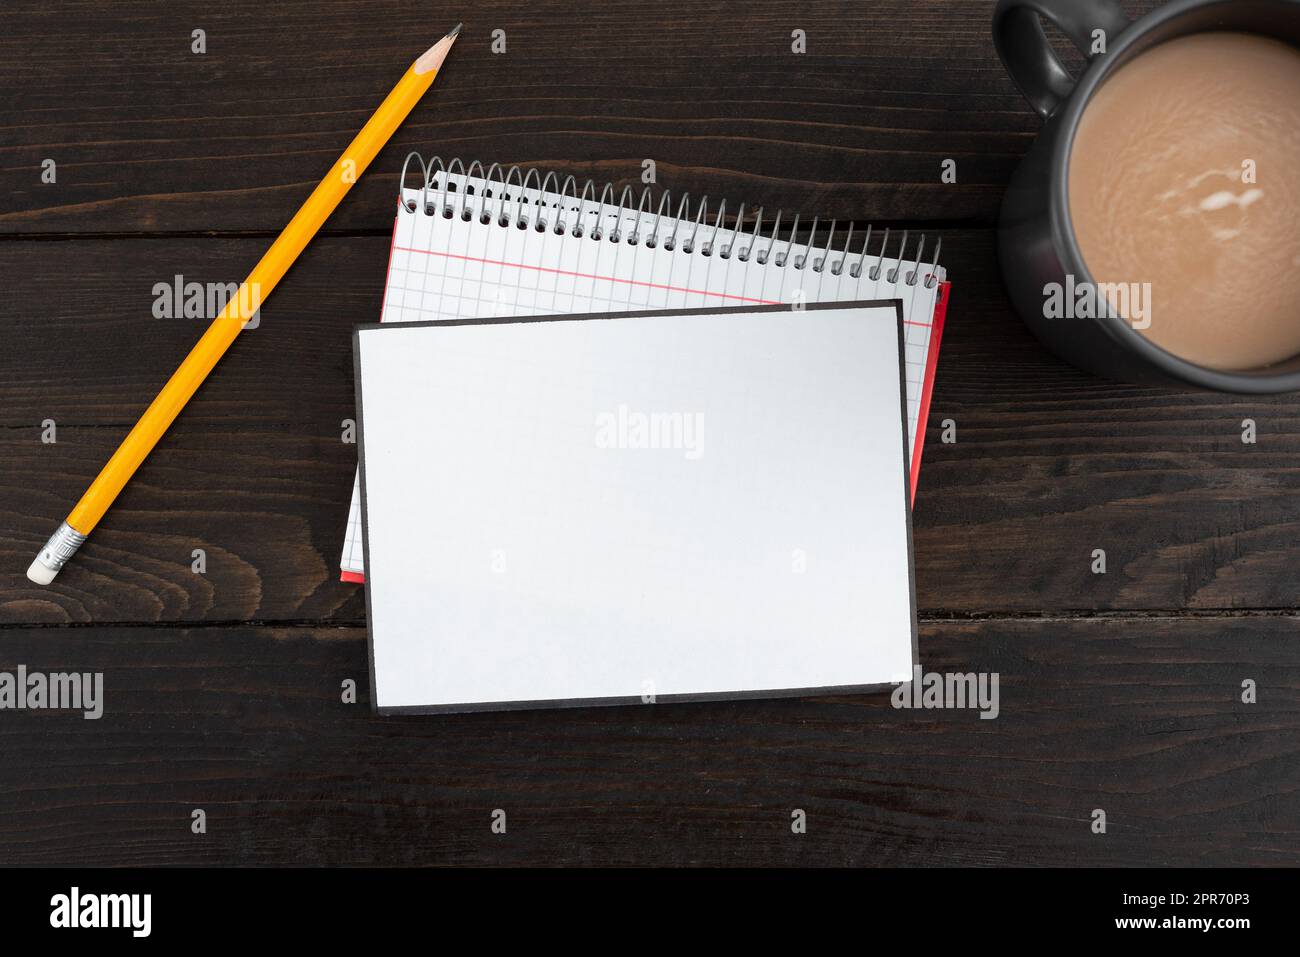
431, 59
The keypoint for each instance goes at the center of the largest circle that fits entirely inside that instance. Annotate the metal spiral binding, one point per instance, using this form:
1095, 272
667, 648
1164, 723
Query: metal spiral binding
439, 197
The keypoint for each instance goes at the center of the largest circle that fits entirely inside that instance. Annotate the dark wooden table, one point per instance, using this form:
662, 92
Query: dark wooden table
1119, 691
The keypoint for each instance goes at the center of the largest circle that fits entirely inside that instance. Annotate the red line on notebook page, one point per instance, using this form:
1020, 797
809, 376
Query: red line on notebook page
583, 275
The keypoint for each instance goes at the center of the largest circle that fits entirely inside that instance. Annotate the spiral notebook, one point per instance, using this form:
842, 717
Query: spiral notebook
476, 242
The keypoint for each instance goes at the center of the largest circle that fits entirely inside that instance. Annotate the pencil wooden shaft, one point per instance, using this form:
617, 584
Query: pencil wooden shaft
241, 307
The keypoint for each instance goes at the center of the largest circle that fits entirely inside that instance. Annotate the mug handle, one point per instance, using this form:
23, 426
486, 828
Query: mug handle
1028, 56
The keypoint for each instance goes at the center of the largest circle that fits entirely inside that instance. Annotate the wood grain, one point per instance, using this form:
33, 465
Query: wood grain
165, 140
1049, 463
1119, 691
1141, 718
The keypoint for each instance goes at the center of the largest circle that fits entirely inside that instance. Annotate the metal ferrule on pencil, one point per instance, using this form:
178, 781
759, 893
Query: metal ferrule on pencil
63, 544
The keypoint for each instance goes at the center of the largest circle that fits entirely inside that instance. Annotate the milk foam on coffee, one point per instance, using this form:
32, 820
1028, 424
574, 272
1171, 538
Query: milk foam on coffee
1185, 174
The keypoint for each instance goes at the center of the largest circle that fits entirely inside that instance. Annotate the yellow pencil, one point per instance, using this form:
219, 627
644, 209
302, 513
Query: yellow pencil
64, 543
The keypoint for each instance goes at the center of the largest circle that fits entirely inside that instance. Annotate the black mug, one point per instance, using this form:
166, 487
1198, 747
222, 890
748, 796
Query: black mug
1036, 240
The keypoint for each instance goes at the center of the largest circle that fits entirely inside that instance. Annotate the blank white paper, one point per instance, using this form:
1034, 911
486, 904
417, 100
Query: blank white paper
635, 507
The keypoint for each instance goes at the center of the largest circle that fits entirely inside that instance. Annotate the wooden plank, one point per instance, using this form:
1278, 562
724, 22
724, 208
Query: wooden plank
1049, 463
1139, 717
260, 449
149, 136
267, 507
86, 347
